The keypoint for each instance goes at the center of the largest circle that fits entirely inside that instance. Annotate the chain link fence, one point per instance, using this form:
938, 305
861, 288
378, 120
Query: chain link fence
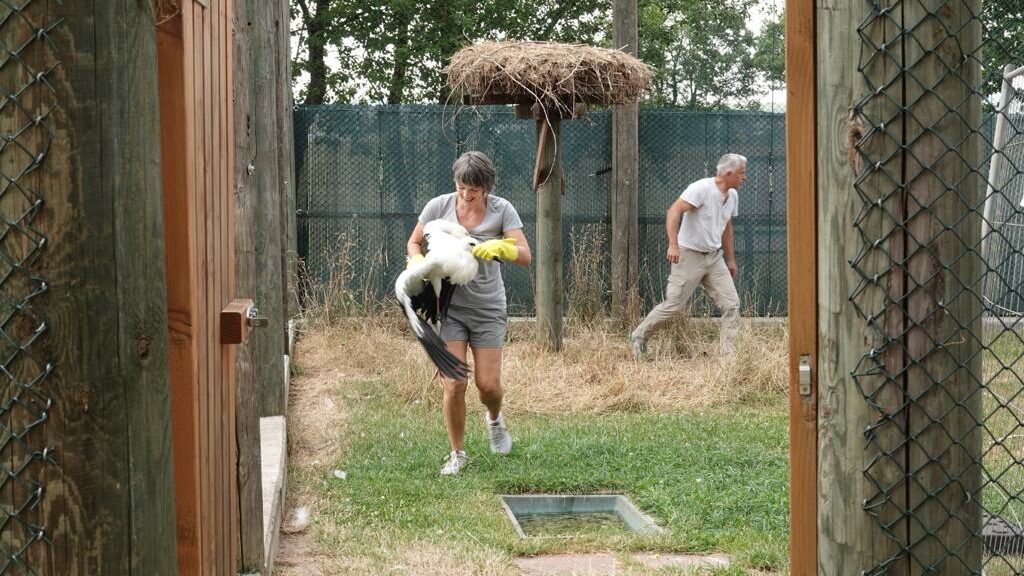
364, 174
940, 178
27, 66
677, 148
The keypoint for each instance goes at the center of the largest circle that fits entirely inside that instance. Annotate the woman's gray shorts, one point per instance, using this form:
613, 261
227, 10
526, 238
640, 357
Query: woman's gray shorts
481, 328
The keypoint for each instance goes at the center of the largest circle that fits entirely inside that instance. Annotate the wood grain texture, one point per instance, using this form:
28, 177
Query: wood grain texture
270, 342
943, 341
286, 166
114, 503
897, 146
625, 280
549, 235
801, 201
247, 423
22, 408
848, 537
234, 321
174, 41
199, 127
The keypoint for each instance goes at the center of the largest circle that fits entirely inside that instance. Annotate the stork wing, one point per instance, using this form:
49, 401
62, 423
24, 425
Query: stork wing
432, 308
423, 310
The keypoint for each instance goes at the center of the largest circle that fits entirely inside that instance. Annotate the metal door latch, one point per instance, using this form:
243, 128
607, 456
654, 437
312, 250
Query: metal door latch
805, 375
254, 319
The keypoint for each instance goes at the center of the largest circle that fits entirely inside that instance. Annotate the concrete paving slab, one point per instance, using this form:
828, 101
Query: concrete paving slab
682, 560
569, 565
608, 564
274, 455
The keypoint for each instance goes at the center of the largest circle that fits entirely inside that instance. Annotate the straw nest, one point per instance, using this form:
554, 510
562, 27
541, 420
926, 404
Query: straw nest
546, 73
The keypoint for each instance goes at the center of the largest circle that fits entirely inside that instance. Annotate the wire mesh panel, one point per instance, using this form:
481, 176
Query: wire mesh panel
678, 148
939, 196
27, 67
1004, 244
364, 173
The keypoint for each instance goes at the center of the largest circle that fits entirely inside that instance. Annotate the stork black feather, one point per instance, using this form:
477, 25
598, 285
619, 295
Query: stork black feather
425, 289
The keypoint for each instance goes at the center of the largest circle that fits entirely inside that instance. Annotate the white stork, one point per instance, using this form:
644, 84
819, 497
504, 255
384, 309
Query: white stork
425, 289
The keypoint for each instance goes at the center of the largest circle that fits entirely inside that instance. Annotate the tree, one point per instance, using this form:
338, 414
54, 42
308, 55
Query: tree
394, 51
1003, 21
770, 52
701, 50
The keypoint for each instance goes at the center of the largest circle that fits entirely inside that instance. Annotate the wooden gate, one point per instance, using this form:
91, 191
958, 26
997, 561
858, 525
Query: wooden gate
195, 77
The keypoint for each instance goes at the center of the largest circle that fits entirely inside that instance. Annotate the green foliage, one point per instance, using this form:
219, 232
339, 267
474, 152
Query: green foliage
701, 50
394, 51
704, 56
1003, 38
770, 52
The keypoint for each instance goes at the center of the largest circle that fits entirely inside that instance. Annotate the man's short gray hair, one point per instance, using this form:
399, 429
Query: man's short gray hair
730, 163
474, 169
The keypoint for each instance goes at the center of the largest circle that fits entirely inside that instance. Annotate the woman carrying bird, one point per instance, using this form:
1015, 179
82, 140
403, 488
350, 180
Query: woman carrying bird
476, 316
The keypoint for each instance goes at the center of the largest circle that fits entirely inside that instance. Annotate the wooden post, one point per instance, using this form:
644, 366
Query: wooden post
286, 165
548, 180
943, 345
849, 539
803, 290
269, 343
247, 423
107, 499
925, 323
625, 174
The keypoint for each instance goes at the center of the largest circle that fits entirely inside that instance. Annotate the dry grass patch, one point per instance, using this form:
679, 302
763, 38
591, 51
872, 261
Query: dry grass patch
594, 373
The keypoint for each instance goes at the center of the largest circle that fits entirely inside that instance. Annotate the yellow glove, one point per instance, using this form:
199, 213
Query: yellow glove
413, 260
504, 249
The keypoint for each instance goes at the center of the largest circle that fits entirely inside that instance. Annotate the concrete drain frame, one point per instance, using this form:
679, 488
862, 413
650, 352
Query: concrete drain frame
569, 504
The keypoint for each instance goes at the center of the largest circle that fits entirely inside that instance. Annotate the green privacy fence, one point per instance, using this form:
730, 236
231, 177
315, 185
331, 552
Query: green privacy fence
365, 172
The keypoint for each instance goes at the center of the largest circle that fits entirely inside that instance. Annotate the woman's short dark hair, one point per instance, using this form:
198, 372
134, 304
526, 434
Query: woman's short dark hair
474, 169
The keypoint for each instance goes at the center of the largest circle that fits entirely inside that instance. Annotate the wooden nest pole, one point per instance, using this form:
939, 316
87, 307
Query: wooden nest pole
549, 184
548, 82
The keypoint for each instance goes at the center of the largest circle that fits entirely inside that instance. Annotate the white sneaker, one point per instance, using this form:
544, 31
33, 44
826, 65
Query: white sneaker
457, 460
501, 441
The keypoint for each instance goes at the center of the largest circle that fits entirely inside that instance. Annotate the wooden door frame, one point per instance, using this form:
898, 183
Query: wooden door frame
174, 39
801, 194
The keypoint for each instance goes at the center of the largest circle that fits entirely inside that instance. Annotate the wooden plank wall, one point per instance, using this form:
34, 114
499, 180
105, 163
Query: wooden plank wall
250, 485
107, 503
196, 82
286, 166
179, 220
269, 343
213, 126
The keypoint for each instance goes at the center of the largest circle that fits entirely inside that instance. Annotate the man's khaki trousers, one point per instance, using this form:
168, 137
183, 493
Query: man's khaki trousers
693, 269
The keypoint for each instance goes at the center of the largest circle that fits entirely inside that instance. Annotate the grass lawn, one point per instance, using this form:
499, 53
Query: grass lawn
710, 464
697, 443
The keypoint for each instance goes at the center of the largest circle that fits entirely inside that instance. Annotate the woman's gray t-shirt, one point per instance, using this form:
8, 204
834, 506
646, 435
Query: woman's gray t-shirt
487, 290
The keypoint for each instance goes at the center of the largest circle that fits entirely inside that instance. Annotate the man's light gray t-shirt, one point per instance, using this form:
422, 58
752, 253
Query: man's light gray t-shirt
702, 228
487, 290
